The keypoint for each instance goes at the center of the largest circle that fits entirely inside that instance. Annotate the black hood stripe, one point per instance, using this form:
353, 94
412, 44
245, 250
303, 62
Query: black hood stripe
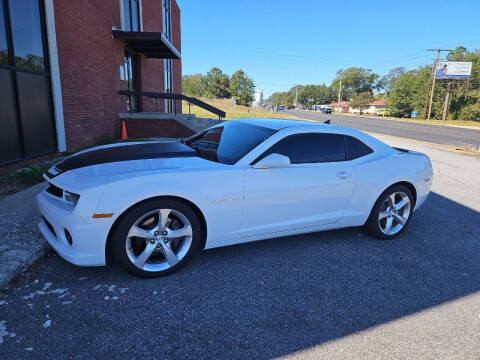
154, 150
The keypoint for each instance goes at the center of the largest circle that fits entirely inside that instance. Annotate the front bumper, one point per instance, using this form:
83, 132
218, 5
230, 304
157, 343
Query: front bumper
89, 235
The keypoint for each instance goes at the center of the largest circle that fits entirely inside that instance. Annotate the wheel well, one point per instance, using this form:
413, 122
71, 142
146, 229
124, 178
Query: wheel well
410, 187
198, 212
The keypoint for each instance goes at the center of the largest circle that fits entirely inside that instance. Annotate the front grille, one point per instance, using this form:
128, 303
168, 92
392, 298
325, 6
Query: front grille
50, 227
55, 190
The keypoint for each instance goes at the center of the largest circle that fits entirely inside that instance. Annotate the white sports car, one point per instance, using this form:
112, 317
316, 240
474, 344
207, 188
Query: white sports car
153, 205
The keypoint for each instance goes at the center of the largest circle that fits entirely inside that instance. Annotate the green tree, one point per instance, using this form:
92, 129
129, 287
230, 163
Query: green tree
319, 94
465, 99
386, 82
193, 85
409, 91
216, 84
361, 100
241, 87
354, 80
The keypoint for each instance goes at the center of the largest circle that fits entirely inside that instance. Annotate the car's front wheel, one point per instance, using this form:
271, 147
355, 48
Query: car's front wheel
156, 237
391, 213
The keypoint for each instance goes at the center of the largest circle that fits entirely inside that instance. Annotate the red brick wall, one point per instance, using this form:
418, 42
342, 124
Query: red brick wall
89, 61
145, 128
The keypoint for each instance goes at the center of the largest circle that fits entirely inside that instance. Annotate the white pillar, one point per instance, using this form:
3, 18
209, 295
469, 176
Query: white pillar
55, 75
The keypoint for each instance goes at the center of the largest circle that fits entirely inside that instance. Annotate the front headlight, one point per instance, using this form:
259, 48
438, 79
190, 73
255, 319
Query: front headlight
71, 197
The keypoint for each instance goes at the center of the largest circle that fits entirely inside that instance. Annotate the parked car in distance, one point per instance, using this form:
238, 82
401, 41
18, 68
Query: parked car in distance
383, 112
280, 108
327, 110
153, 205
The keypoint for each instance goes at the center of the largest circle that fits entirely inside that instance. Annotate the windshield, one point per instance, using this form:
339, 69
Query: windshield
228, 143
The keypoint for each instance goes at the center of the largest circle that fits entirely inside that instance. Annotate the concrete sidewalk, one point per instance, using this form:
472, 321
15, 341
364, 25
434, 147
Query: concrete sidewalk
21, 243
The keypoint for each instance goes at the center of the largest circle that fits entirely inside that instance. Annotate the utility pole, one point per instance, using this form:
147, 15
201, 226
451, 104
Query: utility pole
447, 98
339, 96
426, 100
296, 96
434, 77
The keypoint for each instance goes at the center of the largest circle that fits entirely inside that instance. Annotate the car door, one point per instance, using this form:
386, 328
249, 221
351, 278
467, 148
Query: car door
312, 192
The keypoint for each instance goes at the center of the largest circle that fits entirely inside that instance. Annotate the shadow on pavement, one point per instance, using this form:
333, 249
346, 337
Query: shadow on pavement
263, 299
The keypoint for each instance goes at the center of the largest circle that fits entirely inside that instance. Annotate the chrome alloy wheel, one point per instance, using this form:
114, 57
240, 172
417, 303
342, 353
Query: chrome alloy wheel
159, 240
394, 213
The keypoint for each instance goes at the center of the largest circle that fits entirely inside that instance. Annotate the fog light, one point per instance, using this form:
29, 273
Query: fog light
68, 237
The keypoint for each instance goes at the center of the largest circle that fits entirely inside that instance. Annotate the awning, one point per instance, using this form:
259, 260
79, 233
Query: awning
152, 44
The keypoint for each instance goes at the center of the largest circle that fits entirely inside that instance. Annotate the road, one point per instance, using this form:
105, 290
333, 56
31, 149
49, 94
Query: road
331, 295
439, 134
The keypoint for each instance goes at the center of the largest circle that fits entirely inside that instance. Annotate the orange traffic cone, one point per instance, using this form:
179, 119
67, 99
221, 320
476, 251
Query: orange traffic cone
124, 131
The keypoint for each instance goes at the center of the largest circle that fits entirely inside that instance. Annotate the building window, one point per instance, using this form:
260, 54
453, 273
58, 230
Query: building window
27, 34
27, 121
166, 19
167, 67
130, 78
131, 15
3, 37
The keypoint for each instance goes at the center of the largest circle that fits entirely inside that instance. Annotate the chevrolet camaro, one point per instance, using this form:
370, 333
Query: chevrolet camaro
152, 205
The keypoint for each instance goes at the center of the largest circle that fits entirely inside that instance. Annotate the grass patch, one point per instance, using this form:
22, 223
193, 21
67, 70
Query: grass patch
27, 176
33, 174
238, 112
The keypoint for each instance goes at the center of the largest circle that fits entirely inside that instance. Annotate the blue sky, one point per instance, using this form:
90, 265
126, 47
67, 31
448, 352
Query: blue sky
281, 43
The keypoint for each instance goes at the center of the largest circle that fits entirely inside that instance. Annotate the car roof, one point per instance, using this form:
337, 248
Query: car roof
290, 124
277, 124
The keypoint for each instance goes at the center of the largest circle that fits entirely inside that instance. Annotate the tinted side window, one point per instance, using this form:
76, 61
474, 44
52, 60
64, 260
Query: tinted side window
356, 148
310, 148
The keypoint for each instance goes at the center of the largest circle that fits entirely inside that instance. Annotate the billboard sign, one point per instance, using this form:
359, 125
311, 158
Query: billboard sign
454, 70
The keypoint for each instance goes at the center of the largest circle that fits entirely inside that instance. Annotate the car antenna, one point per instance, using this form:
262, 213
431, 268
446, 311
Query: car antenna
327, 122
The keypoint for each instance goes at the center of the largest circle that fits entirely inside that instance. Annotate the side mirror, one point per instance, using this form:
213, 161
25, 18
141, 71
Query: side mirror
272, 161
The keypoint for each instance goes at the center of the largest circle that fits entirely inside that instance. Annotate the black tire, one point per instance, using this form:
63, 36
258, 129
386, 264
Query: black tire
122, 228
372, 225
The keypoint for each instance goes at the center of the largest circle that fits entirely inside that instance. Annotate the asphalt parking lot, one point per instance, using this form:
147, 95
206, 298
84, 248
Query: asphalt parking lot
337, 294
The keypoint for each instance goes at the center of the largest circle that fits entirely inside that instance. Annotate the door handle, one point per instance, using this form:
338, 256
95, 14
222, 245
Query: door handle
343, 175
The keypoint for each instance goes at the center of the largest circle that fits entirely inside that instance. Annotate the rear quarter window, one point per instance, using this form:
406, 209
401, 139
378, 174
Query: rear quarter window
355, 148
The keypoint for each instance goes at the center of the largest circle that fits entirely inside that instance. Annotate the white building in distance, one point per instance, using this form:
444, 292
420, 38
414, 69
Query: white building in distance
258, 102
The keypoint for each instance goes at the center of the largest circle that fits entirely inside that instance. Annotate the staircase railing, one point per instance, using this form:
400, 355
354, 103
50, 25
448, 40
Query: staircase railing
172, 96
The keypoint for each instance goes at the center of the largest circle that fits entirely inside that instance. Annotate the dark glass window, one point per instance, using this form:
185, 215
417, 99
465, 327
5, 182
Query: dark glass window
229, 143
3, 37
166, 19
131, 15
27, 34
310, 148
356, 148
168, 83
130, 78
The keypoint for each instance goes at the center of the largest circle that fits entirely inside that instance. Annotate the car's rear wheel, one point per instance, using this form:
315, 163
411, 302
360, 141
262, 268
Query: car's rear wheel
391, 213
156, 237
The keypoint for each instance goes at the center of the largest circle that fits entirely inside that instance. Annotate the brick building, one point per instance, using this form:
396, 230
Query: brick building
63, 63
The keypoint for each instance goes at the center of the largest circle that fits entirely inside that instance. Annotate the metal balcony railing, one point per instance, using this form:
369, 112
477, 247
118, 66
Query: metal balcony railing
191, 100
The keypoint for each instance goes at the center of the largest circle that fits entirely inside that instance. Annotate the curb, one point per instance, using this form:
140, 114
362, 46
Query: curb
21, 244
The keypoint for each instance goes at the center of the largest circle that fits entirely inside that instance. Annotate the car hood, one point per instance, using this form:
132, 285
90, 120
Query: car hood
124, 158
